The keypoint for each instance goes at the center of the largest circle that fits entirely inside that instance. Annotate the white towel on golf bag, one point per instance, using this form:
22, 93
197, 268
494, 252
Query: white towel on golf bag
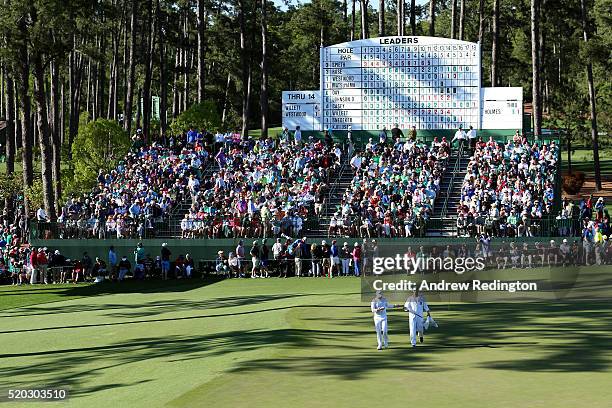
429, 322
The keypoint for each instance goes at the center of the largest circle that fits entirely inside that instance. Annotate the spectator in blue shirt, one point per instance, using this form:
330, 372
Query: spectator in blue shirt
192, 136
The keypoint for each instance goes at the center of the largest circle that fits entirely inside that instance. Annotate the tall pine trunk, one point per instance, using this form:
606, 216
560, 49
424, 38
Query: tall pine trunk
541, 55
365, 30
353, 19
381, 18
185, 97
480, 31
175, 90
113, 80
495, 44
129, 100
146, 94
246, 70
412, 17
101, 79
453, 18
9, 104
62, 111
75, 70
432, 18
44, 136
592, 97
535, 66
400, 17
54, 120
163, 74
461, 11
201, 21
264, 69
27, 135
225, 98
139, 109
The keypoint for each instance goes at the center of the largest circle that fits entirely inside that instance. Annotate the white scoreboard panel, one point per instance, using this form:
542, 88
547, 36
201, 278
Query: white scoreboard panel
502, 108
427, 82
303, 109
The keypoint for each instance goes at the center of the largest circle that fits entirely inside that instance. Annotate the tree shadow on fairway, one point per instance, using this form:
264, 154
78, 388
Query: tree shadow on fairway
79, 369
569, 337
15, 300
169, 319
156, 307
559, 337
357, 364
148, 308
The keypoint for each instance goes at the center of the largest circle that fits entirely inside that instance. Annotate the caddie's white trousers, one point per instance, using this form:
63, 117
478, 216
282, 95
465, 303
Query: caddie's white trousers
416, 325
381, 332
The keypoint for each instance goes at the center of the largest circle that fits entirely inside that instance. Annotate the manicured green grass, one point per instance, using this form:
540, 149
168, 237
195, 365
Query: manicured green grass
25, 295
272, 132
298, 343
582, 160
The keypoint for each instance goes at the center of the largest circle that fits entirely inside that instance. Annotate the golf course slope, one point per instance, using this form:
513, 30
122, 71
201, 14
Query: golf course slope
297, 343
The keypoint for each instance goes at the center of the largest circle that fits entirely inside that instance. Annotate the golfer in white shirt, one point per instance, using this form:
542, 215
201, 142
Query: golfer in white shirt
415, 305
379, 308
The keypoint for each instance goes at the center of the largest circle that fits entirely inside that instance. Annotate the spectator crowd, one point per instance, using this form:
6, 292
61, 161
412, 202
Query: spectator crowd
508, 188
393, 189
136, 197
262, 188
228, 187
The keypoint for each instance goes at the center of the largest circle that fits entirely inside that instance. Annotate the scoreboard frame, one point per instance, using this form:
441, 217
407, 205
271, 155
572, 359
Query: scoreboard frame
434, 91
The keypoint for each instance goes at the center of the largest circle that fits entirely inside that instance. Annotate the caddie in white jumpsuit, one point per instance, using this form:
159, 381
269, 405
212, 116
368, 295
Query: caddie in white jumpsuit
379, 308
415, 306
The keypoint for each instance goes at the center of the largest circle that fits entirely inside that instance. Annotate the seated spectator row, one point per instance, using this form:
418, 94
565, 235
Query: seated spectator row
393, 190
262, 188
508, 189
130, 199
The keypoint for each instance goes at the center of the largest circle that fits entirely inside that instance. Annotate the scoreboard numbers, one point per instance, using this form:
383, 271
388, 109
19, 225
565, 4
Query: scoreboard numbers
427, 82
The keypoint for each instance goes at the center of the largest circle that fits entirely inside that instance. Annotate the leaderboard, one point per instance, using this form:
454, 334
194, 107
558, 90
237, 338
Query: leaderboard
426, 82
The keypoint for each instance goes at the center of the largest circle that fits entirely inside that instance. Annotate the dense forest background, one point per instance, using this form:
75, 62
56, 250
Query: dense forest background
144, 63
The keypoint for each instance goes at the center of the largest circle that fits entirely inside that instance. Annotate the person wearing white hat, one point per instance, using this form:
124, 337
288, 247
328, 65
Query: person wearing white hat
564, 251
222, 265
553, 253
345, 257
165, 260
124, 267
255, 259
415, 306
379, 306
349, 142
